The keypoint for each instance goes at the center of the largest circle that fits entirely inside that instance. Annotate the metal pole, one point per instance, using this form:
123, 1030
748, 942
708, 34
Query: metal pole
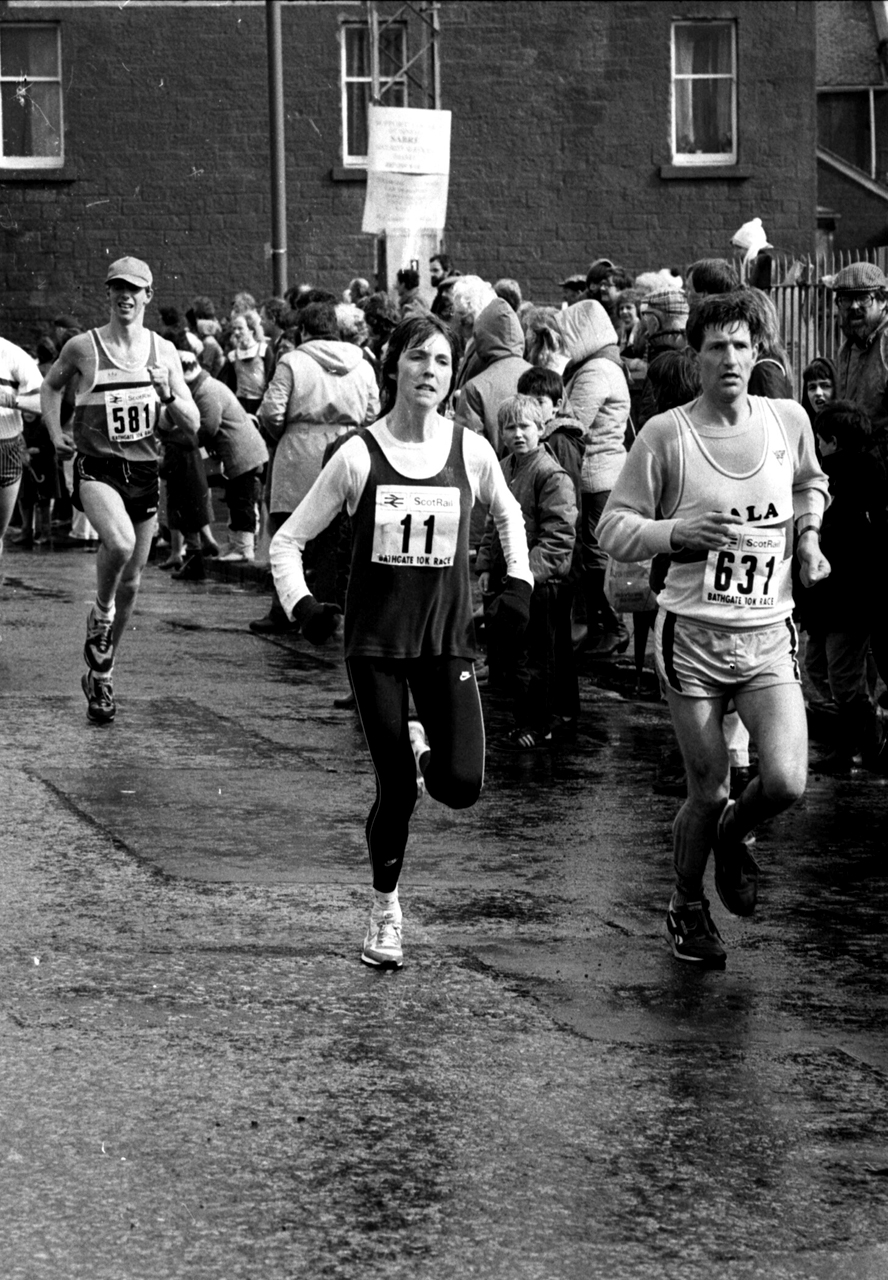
278, 161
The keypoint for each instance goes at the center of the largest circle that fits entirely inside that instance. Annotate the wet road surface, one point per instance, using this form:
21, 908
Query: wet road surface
200, 1080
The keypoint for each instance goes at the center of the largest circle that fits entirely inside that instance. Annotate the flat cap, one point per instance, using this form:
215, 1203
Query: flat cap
860, 277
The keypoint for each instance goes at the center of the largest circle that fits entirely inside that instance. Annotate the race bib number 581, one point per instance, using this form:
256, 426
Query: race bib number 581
416, 527
747, 574
129, 413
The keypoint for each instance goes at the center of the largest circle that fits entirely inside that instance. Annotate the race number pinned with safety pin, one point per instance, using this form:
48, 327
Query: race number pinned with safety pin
749, 572
416, 527
129, 413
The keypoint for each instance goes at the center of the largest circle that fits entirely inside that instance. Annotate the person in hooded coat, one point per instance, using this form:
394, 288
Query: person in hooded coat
319, 392
596, 388
499, 346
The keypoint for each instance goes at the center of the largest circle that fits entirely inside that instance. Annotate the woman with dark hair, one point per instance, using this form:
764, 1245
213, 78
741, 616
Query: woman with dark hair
409, 482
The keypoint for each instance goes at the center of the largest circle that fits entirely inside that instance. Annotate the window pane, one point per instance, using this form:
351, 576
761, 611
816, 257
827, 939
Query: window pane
843, 126
391, 51
29, 51
393, 94
31, 119
881, 106
357, 51
357, 98
704, 49
703, 117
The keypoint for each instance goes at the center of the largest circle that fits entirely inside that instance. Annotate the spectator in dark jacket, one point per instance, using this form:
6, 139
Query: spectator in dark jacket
838, 613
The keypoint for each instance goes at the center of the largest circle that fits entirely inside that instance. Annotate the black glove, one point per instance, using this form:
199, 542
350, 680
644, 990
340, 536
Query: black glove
317, 621
510, 611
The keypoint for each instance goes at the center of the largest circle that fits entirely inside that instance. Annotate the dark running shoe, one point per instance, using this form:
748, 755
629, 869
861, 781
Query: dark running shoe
736, 870
693, 935
98, 651
100, 697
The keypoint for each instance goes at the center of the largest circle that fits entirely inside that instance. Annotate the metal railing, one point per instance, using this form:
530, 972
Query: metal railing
806, 306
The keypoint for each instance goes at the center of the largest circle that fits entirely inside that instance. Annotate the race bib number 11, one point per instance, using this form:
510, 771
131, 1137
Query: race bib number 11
416, 527
747, 574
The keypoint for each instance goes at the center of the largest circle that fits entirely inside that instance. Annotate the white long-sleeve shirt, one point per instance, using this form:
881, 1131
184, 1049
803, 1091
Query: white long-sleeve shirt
343, 479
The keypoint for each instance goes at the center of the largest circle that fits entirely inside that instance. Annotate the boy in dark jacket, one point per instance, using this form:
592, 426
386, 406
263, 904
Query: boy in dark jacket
547, 497
838, 613
564, 436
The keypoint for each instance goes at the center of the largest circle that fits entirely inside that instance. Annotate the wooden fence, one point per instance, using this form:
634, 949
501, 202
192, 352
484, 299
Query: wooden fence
806, 304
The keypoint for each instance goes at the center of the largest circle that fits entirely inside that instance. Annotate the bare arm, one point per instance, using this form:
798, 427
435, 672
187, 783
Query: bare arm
71, 363
168, 381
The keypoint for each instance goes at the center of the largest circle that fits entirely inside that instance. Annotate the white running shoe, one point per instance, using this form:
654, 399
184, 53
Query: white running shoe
420, 744
382, 945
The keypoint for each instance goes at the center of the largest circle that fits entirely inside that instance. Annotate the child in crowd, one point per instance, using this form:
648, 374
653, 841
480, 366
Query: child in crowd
838, 613
249, 365
547, 497
563, 436
818, 385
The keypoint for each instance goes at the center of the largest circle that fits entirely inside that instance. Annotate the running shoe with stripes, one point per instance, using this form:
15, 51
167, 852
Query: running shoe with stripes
382, 945
98, 651
736, 870
100, 698
693, 935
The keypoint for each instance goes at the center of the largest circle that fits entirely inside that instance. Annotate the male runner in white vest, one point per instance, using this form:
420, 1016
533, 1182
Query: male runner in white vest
130, 393
719, 486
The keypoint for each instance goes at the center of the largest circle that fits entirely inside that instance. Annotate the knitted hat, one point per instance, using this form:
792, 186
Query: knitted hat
668, 302
577, 281
860, 277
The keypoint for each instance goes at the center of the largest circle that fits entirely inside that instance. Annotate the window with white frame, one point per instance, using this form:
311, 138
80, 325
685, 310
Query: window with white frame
357, 81
31, 135
704, 93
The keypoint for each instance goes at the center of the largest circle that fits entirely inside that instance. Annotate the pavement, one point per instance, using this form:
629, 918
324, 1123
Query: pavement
200, 1080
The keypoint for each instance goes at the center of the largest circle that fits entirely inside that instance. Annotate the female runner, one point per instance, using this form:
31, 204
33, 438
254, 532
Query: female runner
409, 482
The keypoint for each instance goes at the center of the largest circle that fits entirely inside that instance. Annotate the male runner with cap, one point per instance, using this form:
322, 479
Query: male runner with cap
718, 484
124, 374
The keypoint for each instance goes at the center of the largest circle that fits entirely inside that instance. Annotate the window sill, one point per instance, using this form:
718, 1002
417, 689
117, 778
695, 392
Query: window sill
67, 174
738, 172
341, 174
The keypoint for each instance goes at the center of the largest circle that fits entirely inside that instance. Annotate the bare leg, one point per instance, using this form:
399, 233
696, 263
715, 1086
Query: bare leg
103, 507
8, 495
775, 718
698, 724
128, 586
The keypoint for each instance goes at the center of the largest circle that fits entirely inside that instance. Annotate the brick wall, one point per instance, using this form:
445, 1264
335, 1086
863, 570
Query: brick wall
864, 215
561, 124
847, 43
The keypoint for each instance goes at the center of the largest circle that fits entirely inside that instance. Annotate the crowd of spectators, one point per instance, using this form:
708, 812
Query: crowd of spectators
560, 392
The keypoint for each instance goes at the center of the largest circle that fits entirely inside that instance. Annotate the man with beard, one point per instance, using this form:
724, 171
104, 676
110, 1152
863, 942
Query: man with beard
860, 292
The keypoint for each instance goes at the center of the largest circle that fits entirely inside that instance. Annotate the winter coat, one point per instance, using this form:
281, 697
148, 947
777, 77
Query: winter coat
546, 495
499, 346
596, 387
564, 439
863, 378
226, 431
256, 369
854, 539
319, 391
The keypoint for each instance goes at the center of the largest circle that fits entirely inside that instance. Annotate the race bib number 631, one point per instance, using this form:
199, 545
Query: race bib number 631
416, 527
747, 574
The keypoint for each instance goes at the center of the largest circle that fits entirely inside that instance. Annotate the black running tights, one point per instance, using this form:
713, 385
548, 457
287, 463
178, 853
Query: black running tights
446, 699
